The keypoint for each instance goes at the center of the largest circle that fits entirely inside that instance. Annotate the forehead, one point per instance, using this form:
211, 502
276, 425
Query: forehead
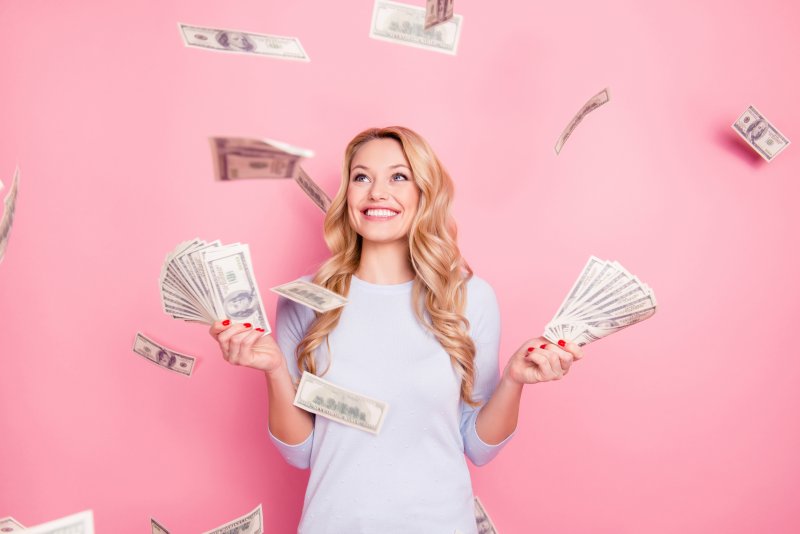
379, 153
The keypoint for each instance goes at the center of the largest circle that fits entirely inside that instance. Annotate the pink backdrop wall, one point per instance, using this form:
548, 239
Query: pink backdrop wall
685, 423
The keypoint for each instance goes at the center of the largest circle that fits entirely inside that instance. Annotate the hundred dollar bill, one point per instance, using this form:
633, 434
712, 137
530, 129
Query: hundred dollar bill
9, 524
438, 11
157, 528
81, 523
760, 134
405, 24
314, 192
320, 397
595, 102
8, 214
235, 158
239, 42
233, 286
252, 523
482, 519
176, 362
314, 296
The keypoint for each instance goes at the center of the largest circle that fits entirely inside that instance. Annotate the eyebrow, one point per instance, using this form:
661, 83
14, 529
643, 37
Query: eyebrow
391, 167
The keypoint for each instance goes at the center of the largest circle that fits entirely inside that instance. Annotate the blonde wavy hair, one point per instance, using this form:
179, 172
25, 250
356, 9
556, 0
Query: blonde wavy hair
440, 283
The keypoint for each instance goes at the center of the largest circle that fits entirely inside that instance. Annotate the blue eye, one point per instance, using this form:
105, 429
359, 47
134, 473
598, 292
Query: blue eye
400, 175
358, 177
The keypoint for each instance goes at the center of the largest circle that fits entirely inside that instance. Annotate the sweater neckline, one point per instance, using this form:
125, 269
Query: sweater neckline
363, 285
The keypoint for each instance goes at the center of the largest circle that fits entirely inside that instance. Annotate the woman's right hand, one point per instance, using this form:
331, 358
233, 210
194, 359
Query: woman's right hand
241, 344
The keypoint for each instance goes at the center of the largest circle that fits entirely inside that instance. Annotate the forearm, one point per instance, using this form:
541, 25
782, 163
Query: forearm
287, 422
498, 417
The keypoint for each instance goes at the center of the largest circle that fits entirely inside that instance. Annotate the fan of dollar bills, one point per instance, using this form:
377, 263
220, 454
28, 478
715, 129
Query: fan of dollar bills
605, 299
205, 282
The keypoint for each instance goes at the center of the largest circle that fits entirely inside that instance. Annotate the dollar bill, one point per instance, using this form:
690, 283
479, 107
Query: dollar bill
157, 528
81, 523
314, 296
405, 24
593, 103
314, 192
176, 362
482, 519
438, 11
234, 289
252, 523
235, 158
320, 397
9, 524
760, 134
239, 42
10, 203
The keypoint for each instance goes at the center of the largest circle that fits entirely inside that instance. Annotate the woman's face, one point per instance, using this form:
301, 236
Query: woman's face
382, 196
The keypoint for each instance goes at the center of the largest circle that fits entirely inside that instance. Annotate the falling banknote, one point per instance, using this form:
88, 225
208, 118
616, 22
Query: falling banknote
252, 523
760, 134
9, 524
235, 158
171, 360
239, 42
482, 519
157, 528
314, 296
314, 192
81, 523
8, 214
320, 397
595, 102
438, 11
405, 24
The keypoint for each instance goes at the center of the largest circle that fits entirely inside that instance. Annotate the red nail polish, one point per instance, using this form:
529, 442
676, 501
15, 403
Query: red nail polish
226, 322
561, 342
530, 349
247, 325
543, 346
260, 329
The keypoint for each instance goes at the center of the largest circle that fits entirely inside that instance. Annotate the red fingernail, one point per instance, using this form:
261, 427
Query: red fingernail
226, 322
543, 346
260, 329
530, 349
561, 342
247, 325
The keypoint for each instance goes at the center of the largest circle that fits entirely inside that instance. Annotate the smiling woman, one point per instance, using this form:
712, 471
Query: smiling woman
420, 332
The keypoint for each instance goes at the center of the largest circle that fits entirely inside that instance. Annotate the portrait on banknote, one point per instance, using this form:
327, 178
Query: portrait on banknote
229, 39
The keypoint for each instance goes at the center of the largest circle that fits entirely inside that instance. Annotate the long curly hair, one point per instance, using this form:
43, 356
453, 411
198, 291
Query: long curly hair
441, 273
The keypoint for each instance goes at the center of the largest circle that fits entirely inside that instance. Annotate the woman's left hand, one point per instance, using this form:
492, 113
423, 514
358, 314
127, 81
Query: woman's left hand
538, 360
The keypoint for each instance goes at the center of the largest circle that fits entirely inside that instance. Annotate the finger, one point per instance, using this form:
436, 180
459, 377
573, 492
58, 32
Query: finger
235, 343
542, 363
565, 357
555, 363
246, 347
577, 352
218, 327
225, 337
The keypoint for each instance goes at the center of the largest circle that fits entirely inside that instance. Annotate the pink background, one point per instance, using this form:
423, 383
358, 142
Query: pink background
685, 423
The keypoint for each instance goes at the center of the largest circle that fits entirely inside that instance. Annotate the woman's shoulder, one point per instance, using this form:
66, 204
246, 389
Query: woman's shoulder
480, 290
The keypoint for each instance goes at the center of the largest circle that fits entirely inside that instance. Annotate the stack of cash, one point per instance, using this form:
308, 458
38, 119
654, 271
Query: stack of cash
206, 282
604, 299
81, 523
252, 523
8, 213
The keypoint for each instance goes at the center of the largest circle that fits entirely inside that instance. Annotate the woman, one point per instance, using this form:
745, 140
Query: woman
419, 332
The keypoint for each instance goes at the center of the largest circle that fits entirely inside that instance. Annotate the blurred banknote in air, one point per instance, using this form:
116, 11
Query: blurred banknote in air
252, 523
308, 294
235, 158
171, 360
405, 24
438, 11
482, 519
592, 104
314, 191
760, 134
81, 523
9, 524
239, 42
8, 214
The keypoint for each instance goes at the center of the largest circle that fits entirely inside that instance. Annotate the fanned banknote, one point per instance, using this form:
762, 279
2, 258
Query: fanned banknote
760, 134
206, 282
314, 296
80, 523
235, 158
314, 192
438, 11
157, 528
482, 519
174, 361
603, 300
9, 524
10, 203
252, 523
405, 24
593, 103
239, 42
323, 398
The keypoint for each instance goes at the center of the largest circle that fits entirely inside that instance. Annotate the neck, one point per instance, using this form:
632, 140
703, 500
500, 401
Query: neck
385, 263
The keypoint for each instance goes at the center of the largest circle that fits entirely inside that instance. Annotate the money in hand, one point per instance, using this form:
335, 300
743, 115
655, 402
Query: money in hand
603, 300
314, 296
760, 134
238, 42
206, 282
482, 519
405, 24
320, 397
9, 524
235, 158
157, 528
176, 362
314, 192
8, 214
438, 11
595, 102
81, 523
252, 523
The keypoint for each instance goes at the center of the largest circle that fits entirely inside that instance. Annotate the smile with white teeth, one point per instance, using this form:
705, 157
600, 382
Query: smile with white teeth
380, 213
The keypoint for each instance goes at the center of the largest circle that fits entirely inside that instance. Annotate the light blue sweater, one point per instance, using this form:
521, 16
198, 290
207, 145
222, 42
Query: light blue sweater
412, 477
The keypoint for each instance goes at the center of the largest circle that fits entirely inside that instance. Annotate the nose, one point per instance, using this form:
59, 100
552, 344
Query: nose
378, 191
